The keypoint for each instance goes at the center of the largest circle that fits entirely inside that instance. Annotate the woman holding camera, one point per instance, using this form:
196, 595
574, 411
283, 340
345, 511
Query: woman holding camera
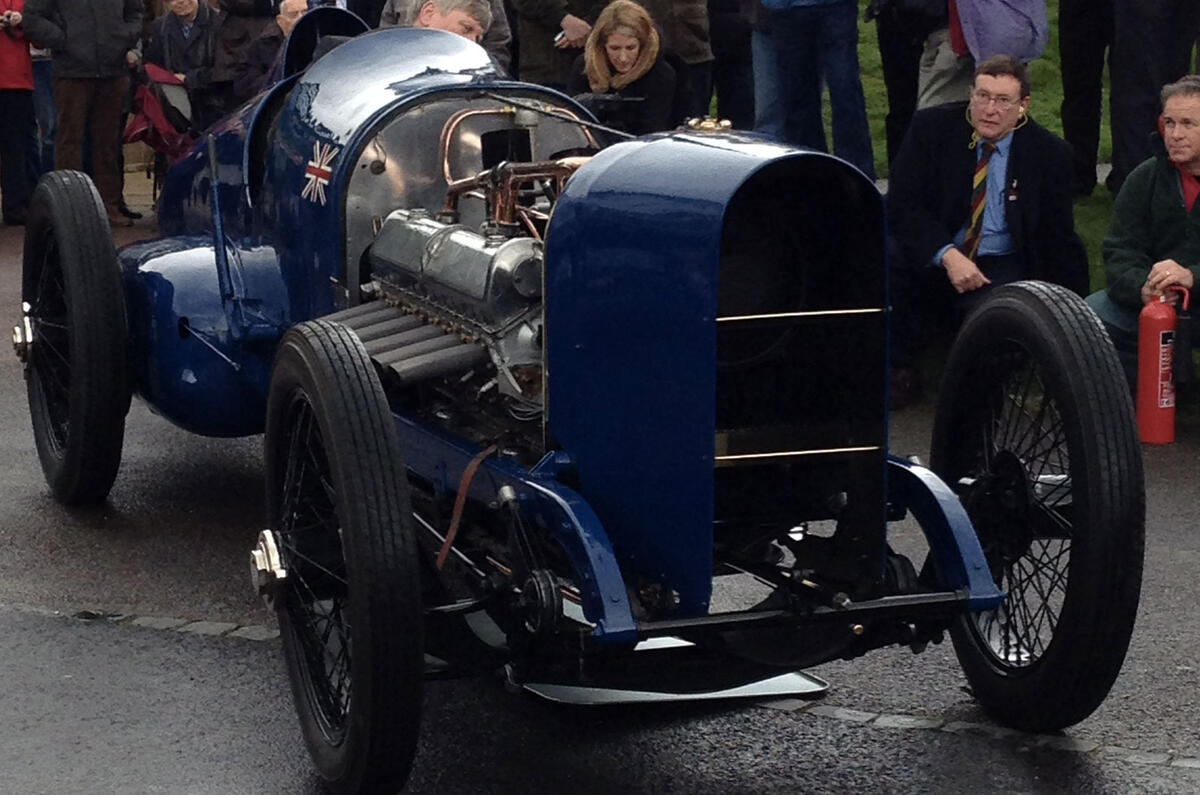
622, 58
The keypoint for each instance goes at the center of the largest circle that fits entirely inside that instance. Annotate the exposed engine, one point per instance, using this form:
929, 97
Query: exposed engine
485, 288
461, 310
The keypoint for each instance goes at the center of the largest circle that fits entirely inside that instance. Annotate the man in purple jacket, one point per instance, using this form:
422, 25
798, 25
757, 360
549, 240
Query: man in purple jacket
976, 30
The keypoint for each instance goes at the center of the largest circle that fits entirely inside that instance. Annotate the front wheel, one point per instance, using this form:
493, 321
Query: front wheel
1034, 430
74, 338
349, 605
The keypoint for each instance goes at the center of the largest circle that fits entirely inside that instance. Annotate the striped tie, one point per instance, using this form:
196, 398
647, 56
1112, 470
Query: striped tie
978, 200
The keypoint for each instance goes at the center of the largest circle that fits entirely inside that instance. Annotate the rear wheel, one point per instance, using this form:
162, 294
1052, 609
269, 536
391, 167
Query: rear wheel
349, 606
1035, 432
74, 341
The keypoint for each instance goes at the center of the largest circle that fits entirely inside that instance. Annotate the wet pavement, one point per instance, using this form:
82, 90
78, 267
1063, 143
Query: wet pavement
172, 682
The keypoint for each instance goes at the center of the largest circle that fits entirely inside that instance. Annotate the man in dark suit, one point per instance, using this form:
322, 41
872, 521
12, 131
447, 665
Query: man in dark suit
264, 49
185, 42
980, 195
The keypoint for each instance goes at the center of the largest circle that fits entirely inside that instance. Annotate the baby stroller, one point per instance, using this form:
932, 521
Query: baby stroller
162, 118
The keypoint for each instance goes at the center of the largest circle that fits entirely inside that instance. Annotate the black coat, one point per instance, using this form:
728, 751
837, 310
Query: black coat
685, 28
541, 21
242, 23
655, 89
89, 37
260, 58
929, 194
192, 57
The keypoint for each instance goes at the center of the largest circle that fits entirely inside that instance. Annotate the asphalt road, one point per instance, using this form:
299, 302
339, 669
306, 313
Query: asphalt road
165, 683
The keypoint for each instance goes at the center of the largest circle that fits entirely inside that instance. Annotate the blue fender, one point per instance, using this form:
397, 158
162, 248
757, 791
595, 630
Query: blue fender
201, 357
439, 459
958, 558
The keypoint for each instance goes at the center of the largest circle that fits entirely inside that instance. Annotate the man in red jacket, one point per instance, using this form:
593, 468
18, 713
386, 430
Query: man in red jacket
16, 109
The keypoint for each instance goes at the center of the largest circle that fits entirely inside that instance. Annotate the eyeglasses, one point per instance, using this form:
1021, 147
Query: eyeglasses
1003, 101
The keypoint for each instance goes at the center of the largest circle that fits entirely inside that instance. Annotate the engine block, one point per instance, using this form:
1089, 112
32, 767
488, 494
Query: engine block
485, 288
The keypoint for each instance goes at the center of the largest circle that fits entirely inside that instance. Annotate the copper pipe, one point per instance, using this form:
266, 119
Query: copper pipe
459, 117
533, 232
501, 185
452, 124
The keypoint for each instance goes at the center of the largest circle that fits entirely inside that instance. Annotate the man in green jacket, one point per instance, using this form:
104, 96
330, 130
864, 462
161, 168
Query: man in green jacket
1154, 241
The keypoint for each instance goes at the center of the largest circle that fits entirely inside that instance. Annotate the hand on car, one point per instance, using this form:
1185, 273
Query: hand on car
575, 32
964, 274
1162, 275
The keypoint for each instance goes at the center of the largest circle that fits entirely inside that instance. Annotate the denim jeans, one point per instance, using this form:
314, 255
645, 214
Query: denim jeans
815, 42
16, 109
768, 103
41, 144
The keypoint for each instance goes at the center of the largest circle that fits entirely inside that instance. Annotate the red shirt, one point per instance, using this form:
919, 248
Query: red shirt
1191, 187
958, 42
16, 67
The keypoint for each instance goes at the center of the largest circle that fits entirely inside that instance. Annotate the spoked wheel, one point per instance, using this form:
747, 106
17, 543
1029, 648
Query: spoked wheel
349, 602
73, 338
1035, 431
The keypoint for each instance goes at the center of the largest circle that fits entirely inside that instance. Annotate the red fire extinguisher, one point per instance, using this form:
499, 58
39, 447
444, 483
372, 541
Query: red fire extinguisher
1158, 329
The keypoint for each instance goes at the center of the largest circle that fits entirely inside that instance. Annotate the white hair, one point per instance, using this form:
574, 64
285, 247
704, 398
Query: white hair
479, 10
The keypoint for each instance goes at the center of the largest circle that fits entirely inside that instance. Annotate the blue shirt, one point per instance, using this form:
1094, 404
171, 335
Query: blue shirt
994, 238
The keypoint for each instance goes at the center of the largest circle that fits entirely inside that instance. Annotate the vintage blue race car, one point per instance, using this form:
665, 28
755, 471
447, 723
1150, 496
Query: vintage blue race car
534, 397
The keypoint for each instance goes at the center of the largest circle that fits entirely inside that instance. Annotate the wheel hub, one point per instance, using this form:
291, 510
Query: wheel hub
999, 504
23, 335
266, 567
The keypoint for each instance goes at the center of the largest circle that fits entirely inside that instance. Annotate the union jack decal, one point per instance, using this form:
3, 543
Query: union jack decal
318, 172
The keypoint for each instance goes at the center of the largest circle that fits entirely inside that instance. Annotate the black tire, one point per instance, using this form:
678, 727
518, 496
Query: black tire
77, 364
339, 505
1035, 432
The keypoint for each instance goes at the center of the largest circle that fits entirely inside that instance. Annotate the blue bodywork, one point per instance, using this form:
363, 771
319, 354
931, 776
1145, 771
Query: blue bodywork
607, 236
252, 241
256, 256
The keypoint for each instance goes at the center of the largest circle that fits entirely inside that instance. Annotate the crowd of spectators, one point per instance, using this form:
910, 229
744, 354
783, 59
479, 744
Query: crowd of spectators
768, 61
981, 194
